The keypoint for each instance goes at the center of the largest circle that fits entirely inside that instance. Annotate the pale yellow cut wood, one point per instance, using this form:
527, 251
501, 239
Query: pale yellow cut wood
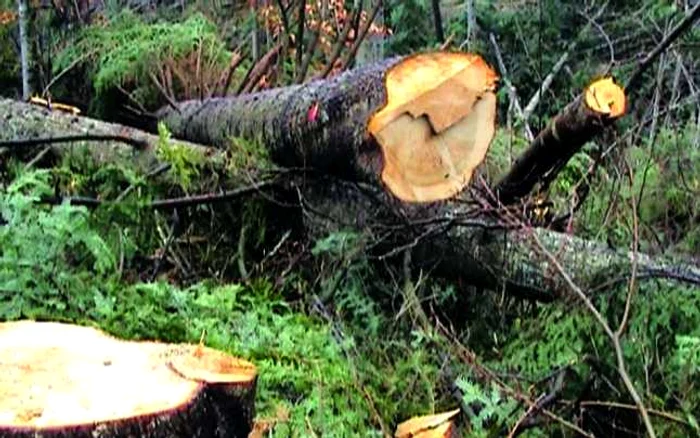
426, 424
605, 96
445, 430
421, 166
441, 85
54, 374
437, 124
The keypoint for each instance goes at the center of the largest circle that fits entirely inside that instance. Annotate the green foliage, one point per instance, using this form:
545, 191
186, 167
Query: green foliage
47, 253
184, 162
247, 155
665, 175
411, 31
128, 48
492, 407
314, 376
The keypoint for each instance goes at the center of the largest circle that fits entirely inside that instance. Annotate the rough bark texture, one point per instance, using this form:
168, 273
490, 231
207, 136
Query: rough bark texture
472, 249
23, 18
553, 147
23, 121
207, 394
452, 241
320, 124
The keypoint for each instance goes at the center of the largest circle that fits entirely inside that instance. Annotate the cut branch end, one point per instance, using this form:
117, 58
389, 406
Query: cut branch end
606, 97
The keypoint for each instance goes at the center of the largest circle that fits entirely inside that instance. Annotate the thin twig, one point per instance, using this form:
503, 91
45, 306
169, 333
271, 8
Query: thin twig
677, 31
339, 44
512, 92
160, 88
660, 414
361, 36
615, 339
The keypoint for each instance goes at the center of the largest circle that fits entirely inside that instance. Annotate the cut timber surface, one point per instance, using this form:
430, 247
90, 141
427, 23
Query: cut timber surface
437, 124
62, 380
418, 125
428, 426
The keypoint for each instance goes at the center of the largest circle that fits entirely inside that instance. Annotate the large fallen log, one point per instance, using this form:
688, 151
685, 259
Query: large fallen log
446, 237
454, 240
62, 380
26, 128
419, 125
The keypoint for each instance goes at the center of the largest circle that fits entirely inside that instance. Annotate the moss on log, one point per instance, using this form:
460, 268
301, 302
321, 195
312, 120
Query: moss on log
62, 380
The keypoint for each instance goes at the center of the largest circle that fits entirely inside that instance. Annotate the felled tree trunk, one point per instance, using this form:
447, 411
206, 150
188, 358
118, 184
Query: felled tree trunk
419, 125
27, 128
61, 380
445, 237
453, 240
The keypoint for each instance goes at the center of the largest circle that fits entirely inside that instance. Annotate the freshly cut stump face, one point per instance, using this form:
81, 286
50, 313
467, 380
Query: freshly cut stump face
606, 97
437, 124
57, 376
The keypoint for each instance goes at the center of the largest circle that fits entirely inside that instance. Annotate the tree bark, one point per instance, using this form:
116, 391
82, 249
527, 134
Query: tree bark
456, 241
24, 53
447, 238
419, 124
580, 121
22, 121
62, 380
437, 21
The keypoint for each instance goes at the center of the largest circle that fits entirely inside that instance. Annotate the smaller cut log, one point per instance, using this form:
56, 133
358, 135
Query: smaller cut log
429, 426
62, 380
599, 106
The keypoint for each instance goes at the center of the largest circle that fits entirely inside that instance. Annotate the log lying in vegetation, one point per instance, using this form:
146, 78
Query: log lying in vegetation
419, 124
61, 380
598, 106
452, 240
473, 250
28, 126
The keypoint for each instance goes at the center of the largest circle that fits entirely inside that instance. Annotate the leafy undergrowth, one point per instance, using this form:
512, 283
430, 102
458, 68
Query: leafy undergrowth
57, 263
342, 352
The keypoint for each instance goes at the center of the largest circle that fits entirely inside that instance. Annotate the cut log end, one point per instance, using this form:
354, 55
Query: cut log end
606, 97
437, 124
428, 426
66, 380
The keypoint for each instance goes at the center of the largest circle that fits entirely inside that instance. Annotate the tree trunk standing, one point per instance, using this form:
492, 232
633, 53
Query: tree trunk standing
67, 381
437, 21
471, 23
24, 52
255, 33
